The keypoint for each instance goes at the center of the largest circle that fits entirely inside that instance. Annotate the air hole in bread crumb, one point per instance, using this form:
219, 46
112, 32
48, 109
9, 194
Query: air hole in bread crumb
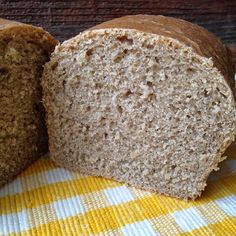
102, 121
77, 79
157, 59
7, 40
89, 52
173, 167
111, 124
139, 94
149, 84
190, 70
105, 135
98, 85
117, 59
119, 109
151, 97
63, 83
221, 92
127, 93
63, 72
172, 107
124, 39
205, 93
188, 116
36, 107
3, 71
170, 44
26, 51
130, 124
72, 48
54, 65
223, 95
108, 109
125, 51
88, 108
149, 46
195, 60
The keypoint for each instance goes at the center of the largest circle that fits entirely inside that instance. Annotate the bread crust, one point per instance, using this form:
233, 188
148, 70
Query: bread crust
199, 39
7, 27
47, 43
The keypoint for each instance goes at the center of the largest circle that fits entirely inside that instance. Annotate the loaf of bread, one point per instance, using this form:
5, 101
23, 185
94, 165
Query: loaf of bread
145, 100
24, 49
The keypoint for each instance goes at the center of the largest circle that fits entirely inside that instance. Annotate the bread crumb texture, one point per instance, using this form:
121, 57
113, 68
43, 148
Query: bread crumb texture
139, 108
23, 135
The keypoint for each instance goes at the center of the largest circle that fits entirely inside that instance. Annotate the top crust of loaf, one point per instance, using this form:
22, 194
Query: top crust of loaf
199, 39
43, 38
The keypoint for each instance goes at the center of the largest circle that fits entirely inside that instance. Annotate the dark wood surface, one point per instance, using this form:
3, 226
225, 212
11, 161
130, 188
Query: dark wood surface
65, 19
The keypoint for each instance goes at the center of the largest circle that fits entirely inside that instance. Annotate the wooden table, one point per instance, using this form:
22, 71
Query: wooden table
65, 19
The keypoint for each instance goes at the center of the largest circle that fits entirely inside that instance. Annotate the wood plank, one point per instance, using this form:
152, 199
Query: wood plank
232, 48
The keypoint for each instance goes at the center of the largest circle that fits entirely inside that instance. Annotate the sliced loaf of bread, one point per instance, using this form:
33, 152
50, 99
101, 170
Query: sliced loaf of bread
145, 100
24, 49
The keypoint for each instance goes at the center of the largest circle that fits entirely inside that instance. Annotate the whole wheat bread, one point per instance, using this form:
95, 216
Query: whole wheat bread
24, 49
145, 100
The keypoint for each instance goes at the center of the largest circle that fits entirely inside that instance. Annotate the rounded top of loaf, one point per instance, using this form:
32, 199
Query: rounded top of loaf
43, 38
199, 39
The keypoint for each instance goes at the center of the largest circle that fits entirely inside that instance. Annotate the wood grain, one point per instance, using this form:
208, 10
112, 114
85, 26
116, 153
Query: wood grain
65, 19
232, 48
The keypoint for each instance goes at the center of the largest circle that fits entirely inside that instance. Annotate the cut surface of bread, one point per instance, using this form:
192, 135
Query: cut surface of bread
138, 101
24, 50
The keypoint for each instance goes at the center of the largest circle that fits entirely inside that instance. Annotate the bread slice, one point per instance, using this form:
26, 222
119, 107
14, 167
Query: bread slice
145, 100
24, 49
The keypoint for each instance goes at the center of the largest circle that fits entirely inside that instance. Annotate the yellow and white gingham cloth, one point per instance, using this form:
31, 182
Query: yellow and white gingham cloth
48, 200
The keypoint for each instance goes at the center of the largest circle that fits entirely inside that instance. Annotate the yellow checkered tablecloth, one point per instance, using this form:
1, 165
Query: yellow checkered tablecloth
48, 200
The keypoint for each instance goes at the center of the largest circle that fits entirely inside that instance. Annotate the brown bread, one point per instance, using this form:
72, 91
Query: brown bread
24, 49
145, 100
